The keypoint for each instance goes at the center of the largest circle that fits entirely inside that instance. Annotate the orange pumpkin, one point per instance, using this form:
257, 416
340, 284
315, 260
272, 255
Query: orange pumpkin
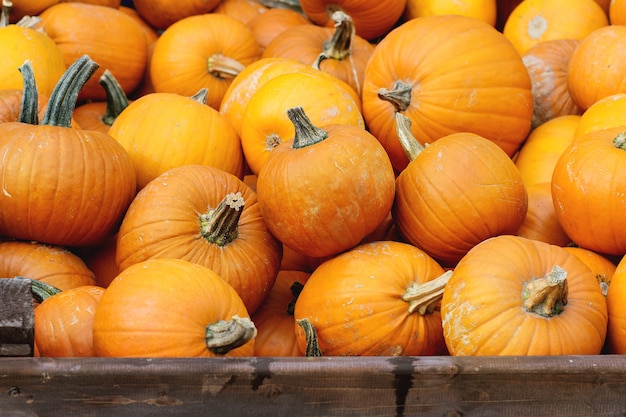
380, 298
462, 76
596, 69
242, 10
323, 191
109, 36
605, 113
616, 337
515, 296
484, 10
587, 188
269, 24
274, 318
601, 266
455, 193
194, 53
617, 12
160, 14
64, 322
101, 261
534, 21
171, 308
11, 104
218, 225
547, 64
17, 10
161, 131
62, 185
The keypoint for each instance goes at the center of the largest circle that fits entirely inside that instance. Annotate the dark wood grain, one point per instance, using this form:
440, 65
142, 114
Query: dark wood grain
373, 386
16, 317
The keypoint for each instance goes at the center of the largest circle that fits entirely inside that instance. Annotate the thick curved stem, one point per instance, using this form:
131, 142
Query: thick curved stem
399, 96
219, 225
339, 46
117, 100
29, 112
224, 336
41, 290
423, 298
7, 5
201, 96
546, 296
312, 346
411, 146
306, 133
221, 66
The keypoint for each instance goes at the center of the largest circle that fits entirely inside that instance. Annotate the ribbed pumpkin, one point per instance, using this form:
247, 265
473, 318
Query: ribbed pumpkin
242, 10
163, 13
205, 216
461, 75
266, 26
616, 337
484, 10
455, 193
515, 296
323, 191
600, 265
380, 298
605, 113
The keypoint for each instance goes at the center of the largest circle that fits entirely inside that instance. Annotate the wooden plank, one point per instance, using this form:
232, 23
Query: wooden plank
372, 386
16, 317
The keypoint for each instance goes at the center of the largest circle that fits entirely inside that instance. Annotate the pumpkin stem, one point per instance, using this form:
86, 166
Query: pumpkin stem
116, 97
63, 98
224, 336
31, 22
312, 346
221, 66
399, 96
547, 295
201, 96
306, 133
271, 141
30, 107
219, 225
424, 297
40, 289
296, 289
620, 141
6, 12
411, 146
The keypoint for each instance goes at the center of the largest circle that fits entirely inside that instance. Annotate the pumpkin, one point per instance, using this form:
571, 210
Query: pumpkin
110, 37
11, 104
484, 10
269, 24
53, 265
600, 265
595, 69
171, 308
587, 189
380, 298
62, 185
242, 10
461, 76
160, 14
161, 131
218, 224
616, 334
455, 193
64, 322
100, 115
534, 21
18, 10
101, 261
274, 319
372, 19
547, 64
265, 124
515, 296
107, 3
24, 43
338, 51
617, 12
325, 189
295, 261
194, 54
605, 113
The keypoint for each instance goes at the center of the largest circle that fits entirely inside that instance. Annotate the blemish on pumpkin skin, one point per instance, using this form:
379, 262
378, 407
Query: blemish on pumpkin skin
537, 26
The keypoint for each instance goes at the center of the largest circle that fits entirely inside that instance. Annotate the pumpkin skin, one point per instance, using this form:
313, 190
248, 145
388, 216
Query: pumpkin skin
596, 69
269, 24
22, 43
601, 266
160, 14
617, 12
484, 10
64, 323
274, 318
356, 196
534, 21
109, 36
616, 337
193, 54
587, 188
11, 105
354, 301
485, 90
430, 213
483, 309
605, 113
242, 10
161, 131
161, 307
547, 63
53, 265
248, 261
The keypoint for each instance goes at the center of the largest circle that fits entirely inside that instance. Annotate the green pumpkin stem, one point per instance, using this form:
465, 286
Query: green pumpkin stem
312, 345
411, 146
63, 98
547, 295
7, 5
224, 336
29, 111
424, 297
306, 133
117, 100
399, 96
201, 96
219, 225
41, 291
620, 141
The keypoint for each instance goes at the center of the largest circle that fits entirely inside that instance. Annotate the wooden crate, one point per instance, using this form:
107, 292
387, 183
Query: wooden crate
325, 387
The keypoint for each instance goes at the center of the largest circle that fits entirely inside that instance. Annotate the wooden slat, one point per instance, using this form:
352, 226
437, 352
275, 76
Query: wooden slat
407, 386
16, 317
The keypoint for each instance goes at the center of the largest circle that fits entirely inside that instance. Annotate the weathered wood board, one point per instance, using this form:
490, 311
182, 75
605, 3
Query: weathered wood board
301, 387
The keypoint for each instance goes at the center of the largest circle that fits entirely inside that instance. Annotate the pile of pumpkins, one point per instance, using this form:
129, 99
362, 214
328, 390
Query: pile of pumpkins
314, 177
